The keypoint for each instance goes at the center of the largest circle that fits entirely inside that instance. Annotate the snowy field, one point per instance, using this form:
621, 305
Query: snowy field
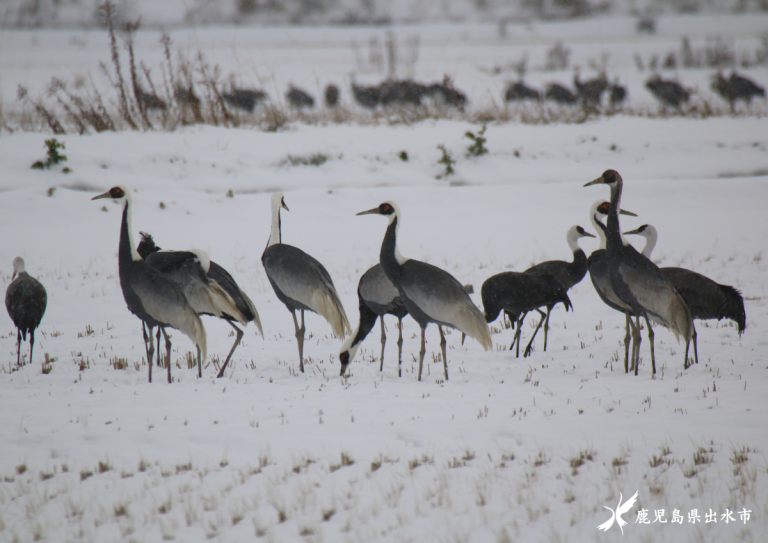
507, 450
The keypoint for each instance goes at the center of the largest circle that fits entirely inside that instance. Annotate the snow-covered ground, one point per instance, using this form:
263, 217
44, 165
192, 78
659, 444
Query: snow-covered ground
507, 450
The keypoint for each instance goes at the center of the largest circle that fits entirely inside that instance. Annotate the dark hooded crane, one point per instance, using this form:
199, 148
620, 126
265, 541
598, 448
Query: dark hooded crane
597, 264
209, 288
25, 300
566, 273
154, 298
517, 294
705, 298
636, 280
377, 297
301, 282
429, 293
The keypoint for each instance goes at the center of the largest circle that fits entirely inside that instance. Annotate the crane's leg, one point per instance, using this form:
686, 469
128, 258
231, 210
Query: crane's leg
626, 345
400, 349
463, 337
199, 363
167, 352
636, 340
442, 347
383, 342
423, 350
159, 358
31, 344
300, 338
18, 347
546, 326
695, 343
232, 350
650, 338
149, 346
529, 347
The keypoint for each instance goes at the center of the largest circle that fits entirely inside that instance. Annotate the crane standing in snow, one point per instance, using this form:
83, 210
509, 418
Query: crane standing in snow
25, 300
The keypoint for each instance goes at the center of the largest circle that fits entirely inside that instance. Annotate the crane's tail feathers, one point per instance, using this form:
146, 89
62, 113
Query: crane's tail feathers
252, 309
475, 326
195, 331
328, 304
223, 303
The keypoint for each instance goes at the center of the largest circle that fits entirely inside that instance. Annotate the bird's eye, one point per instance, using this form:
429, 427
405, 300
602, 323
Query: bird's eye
116, 192
609, 176
604, 207
386, 209
580, 230
344, 357
642, 228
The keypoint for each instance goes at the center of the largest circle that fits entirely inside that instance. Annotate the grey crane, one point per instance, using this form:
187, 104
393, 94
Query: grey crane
377, 297
566, 273
210, 289
429, 293
301, 282
705, 298
154, 298
636, 280
601, 280
518, 293
25, 300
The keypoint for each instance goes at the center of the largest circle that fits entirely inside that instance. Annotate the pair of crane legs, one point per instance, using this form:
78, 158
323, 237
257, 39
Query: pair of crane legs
31, 345
529, 347
150, 347
634, 329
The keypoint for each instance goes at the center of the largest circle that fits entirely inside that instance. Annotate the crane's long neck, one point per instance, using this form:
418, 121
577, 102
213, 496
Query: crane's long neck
275, 235
390, 257
651, 237
614, 241
599, 228
127, 251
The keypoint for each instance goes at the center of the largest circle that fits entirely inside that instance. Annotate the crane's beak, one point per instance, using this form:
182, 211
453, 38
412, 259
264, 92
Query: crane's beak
284, 206
635, 231
629, 213
374, 211
595, 181
588, 235
100, 196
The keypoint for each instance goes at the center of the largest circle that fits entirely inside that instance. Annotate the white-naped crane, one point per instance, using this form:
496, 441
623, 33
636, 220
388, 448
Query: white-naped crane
429, 293
566, 273
154, 298
705, 298
301, 282
518, 293
637, 281
25, 300
210, 289
377, 297
598, 272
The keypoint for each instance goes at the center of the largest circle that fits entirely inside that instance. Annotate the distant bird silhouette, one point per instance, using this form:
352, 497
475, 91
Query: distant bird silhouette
367, 97
25, 300
151, 101
377, 297
331, 96
560, 94
210, 289
245, 99
447, 94
299, 98
429, 293
705, 298
616, 514
154, 298
617, 95
736, 88
567, 274
597, 263
519, 91
300, 281
669, 93
590, 92
637, 281
517, 294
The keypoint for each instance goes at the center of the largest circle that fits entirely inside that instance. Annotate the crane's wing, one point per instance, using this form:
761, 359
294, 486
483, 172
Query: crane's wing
374, 286
438, 294
657, 295
165, 302
607, 524
303, 279
243, 302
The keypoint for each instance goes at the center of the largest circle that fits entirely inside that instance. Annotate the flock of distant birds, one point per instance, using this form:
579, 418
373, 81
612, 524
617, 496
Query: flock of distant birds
174, 288
407, 92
